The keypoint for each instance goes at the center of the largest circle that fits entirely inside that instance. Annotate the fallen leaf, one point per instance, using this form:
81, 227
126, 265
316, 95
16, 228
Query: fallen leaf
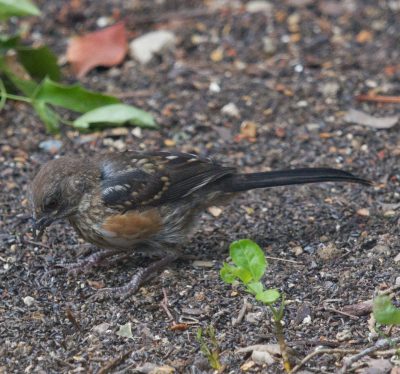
248, 129
125, 331
106, 47
361, 118
96, 284
359, 309
179, 327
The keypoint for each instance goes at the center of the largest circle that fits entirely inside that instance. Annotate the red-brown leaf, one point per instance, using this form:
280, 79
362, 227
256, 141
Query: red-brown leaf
106, 47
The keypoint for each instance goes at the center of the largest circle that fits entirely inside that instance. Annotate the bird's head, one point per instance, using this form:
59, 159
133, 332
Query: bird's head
57, 190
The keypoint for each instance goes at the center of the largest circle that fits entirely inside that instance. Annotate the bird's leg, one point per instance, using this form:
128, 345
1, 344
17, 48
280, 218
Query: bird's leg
141, 276
91, 261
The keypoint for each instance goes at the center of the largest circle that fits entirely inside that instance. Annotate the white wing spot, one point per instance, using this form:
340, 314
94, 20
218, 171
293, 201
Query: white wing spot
119, 188
172, 157
110, 190
195, 188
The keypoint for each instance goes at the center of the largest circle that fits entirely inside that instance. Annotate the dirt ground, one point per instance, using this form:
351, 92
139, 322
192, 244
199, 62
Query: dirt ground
332, 246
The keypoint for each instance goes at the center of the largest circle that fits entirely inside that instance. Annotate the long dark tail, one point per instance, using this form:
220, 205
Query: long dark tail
243, 182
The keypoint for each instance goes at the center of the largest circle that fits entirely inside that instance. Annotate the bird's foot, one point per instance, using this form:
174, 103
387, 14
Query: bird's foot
86, 264
142, 275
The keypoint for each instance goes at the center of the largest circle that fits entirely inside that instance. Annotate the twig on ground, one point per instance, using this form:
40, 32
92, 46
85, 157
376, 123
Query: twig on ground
340, 312
388, 352
283, 260
379, 99
129, 94
320, 352
380, 344
164, 305
37, 243
242, 312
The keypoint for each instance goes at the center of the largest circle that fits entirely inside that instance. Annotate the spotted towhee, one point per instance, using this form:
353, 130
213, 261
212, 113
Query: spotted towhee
145, 202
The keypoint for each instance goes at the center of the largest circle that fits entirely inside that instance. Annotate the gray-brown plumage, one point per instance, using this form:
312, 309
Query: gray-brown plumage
146, 202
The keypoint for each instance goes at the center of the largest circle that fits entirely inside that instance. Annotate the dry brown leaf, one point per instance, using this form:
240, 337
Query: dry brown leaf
359, 309
106, 47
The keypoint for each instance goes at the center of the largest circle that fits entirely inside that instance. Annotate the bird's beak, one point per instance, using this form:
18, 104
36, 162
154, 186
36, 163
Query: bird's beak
40, 225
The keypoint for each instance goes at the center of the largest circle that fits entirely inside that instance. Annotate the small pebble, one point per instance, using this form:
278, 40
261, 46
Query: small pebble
269, 45
101, 328
343, 335
231, 110
262, 358
214, 87
257, 6
146, 46
29, 300
328, 251
247, 365
215, 211
363, 212
380, 250
297, 250
52, 145
169, 143
389, 213
254, 317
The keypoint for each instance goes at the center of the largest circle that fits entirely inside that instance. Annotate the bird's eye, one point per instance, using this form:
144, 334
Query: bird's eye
50, 204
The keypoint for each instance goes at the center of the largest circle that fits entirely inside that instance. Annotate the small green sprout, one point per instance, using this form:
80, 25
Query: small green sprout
209, 349
250, 266
385, 312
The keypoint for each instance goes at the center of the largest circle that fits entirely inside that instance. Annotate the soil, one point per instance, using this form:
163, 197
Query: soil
331, 246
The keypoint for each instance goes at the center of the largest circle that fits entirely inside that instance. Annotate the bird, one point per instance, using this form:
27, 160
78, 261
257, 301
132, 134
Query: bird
136, 202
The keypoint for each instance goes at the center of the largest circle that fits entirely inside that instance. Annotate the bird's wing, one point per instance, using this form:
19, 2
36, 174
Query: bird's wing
134, 179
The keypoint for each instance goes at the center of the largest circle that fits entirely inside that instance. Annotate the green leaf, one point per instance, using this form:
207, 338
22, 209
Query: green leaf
385, 312
255, 288
243, 274
73, 97
19, 8
8, 42
39, 62
48, 116
226, 273
248, 255
230, 273
117, 115
269, 296
27, 87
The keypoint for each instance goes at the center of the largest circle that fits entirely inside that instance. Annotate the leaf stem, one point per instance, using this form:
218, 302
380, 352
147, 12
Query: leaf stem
15, 97
3, 94
278, 315
282, 345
